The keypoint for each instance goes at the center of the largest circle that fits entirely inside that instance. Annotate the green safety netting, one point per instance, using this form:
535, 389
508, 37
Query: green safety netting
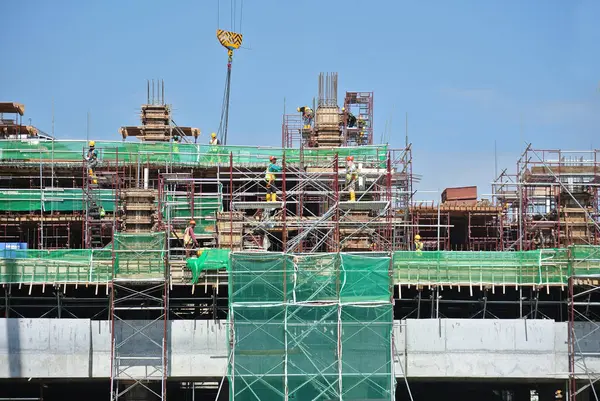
143, 254
52, 199
178, 209
131, 256
540, 267
210, 259
585, 260
61, 151
56, 266
139, 255
310, 327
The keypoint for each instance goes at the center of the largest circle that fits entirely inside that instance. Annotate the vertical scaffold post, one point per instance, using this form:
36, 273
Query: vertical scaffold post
336, 191
388, 193
571, 342
117, 187
284, 208
558, 201
231, 201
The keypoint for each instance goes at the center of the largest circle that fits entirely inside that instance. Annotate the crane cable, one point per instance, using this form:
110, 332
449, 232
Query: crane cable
224, 122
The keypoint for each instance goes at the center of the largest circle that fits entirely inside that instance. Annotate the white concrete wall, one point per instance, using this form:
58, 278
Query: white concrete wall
44, 348
198, 348
479, 348
445, 348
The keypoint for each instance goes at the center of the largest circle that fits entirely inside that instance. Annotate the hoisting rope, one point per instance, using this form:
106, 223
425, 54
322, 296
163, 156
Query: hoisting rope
231, 41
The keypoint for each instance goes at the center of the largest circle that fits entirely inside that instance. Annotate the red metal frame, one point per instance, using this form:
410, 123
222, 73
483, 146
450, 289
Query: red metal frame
291, 131
530, 192
336, 191
361, 106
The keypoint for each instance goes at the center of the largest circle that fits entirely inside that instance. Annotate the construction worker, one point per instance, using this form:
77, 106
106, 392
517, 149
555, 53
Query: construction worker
270, 179
214, 148
176, 138
418, 244
351, 120
307, 116
361, 123
102, 212
189, 238
362, 140
94, 210
214, 140
351, 177
92, 161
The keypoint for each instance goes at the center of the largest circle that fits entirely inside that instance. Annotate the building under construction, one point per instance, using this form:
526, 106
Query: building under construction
322, 278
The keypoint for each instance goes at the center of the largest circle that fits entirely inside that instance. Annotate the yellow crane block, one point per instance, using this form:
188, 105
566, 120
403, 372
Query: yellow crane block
229, 40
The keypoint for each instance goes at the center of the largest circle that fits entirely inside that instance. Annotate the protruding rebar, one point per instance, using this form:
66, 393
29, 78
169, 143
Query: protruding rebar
328, 89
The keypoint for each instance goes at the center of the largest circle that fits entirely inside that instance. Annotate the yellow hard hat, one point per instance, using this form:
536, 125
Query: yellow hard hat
199, 252
92, 143
343, 109
213, 135
417, 237
192, 221
298, 109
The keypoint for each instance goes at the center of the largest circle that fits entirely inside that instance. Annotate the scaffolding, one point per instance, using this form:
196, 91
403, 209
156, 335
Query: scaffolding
584, 296
359, 105
551, 201
293, 134
100, 186
312, 212
451, 227
139, 289
337, 319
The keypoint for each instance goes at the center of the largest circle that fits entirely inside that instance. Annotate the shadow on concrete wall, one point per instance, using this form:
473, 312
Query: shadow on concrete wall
13, 340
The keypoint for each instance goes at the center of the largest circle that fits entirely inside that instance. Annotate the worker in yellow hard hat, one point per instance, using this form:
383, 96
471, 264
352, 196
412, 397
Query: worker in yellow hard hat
214, 140
307, 116
92, 161
351, 177
361, 139
214, 148
418, 244
270, 179
361, 122
189, 238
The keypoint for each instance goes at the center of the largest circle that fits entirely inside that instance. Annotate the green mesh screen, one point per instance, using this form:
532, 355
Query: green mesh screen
179, 210
184, 154
133, 256
315, 277
310, 327
140, 255
53, 200
481, 268
56, 266
585, 260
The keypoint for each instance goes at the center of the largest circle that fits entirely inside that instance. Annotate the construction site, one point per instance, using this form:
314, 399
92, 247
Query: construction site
173, 264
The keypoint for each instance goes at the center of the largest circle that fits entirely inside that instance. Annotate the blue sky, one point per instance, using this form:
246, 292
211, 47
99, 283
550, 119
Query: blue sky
468, 73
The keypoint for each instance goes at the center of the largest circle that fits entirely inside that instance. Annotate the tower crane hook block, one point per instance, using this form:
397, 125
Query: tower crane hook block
229, 40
